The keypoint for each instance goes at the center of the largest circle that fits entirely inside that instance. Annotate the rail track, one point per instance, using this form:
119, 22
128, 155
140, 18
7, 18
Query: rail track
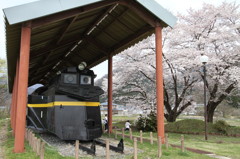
119, 148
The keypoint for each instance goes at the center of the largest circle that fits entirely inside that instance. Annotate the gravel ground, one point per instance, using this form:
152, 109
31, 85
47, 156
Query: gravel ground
68, 149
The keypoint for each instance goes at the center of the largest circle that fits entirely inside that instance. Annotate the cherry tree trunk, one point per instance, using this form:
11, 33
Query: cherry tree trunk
210, 113
171, 117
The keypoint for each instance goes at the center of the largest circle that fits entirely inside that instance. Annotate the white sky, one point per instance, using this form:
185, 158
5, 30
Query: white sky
174, 6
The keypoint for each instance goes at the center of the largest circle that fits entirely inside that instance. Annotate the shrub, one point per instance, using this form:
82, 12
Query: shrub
221, 126
188, 126
141, 122
147, 123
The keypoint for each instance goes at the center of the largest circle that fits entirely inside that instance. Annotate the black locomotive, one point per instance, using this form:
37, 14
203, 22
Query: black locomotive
68, 106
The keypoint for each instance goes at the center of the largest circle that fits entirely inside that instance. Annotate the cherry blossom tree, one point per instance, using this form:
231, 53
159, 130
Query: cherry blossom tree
213, 31
134, 79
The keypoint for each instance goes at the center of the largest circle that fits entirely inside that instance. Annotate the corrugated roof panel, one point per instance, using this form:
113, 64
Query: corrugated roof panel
132, 19
35, 10
32, 10
106, 39
117, 32
155, 8
94, 49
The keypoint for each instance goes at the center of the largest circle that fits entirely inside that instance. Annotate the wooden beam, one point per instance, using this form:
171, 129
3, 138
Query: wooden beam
93, 25
110, 74
62, 33
159, 83
14, 100
146, 30
22, 88
51, 47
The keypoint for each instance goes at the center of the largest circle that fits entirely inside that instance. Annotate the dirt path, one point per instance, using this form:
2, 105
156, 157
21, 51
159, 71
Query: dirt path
210, 154
3, 137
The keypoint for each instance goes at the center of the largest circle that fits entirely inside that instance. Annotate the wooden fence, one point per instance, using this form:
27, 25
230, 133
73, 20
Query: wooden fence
35, 143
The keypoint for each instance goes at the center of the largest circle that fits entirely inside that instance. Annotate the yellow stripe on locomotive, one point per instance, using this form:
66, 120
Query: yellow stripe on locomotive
60, 103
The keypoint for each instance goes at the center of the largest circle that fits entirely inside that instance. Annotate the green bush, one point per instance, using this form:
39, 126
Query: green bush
189, 126
198, 127
186, 126
141, 122
233, 130
148, 123
221, 126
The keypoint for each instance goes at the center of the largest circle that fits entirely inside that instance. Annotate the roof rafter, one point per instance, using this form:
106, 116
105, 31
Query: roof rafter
146, 30
51, 47
57, 42
66, 29
95, 23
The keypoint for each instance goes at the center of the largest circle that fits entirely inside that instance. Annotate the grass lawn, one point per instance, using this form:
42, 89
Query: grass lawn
50, 152
231, 121
220, 145
146, 150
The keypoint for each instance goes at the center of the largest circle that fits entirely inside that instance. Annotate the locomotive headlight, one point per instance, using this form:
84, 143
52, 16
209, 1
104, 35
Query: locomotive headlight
85, 80
70, 78
82, 66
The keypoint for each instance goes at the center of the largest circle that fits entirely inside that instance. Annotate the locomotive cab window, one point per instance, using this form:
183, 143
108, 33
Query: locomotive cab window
85, 80
69, 78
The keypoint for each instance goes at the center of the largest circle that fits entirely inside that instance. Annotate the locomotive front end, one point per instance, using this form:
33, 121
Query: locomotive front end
71, 106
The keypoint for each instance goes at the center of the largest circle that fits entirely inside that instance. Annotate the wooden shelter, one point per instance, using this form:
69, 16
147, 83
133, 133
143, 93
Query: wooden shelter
44, 36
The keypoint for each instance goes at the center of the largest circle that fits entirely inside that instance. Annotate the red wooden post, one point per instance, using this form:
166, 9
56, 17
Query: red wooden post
110, 94
22, 88
159, 82
14, 99
11, 112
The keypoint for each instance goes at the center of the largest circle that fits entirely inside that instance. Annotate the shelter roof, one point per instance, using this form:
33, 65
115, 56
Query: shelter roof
67, 32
